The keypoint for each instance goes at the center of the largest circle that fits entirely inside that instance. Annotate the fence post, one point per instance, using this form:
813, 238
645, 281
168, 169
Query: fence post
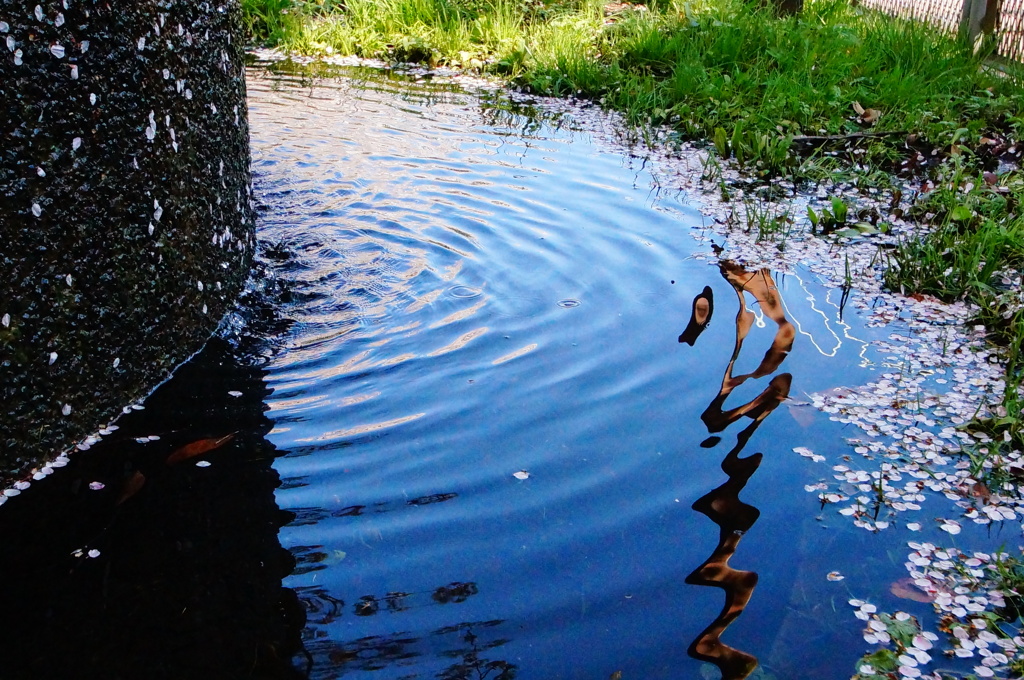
978, 18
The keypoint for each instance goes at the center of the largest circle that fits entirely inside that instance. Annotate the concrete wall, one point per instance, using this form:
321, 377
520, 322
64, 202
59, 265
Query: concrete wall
126, 226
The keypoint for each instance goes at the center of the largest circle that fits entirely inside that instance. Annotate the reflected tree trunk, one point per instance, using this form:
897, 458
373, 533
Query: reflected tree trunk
723, 505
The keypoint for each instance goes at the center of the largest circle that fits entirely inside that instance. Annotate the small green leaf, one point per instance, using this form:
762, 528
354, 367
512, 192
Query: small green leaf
812, 216
961, 213
883, 660
901, 631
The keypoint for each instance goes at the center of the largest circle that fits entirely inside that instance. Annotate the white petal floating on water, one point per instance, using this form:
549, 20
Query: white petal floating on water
57, 50
914, 526
234, 393
6, 320
94, 553
984, 671
75, 143
66, 410
834, 576
96, 486
522, 474
36, 210
986, 635
905, 660
117, 362
203, 464
39, 13
53, 358
950, 527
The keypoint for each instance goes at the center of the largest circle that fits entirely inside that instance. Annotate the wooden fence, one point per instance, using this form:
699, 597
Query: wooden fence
1002, 18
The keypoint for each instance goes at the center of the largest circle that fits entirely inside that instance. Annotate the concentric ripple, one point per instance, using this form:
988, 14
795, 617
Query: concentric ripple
476, 295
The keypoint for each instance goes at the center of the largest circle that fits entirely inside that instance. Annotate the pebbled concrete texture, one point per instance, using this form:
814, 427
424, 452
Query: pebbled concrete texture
126, 218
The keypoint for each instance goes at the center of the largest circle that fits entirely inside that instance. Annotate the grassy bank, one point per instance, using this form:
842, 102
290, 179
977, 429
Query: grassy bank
727, 71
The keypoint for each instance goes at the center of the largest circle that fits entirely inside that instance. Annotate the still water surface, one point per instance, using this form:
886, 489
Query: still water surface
492, 432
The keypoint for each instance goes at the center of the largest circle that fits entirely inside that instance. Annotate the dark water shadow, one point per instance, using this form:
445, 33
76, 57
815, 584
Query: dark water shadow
187, 581
461, 651
723, 505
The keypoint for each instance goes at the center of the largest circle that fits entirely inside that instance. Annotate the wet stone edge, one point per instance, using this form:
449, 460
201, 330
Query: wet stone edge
127, 223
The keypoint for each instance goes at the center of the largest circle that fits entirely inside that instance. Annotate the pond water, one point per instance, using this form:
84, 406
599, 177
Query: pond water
493, 434
499, 417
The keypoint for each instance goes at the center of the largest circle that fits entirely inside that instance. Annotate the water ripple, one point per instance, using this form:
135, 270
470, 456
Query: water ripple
472, 296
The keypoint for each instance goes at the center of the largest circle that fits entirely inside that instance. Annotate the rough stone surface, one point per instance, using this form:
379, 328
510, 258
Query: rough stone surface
126, 221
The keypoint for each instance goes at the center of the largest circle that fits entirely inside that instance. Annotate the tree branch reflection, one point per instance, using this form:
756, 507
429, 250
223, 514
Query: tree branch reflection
723, 505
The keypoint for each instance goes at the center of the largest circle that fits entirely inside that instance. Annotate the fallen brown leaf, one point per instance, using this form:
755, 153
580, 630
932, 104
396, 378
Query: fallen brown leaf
905, 589
870, 116
979, 490
198, 447
131, 486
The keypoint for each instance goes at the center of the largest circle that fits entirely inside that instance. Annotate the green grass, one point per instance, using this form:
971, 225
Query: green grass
727, 71
975, 241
